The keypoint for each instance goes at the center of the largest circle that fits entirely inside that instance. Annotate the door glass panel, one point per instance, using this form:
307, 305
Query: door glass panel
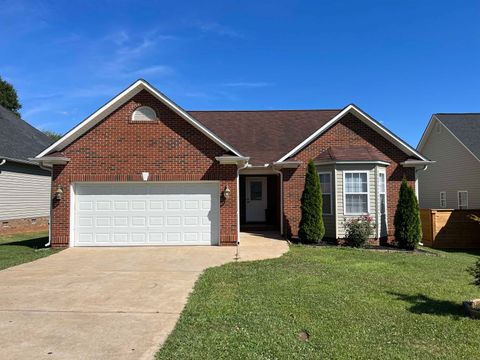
255, 190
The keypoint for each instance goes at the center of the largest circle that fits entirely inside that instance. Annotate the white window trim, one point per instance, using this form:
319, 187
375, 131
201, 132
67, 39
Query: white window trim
444, 198
361, 193
458, 199
155, 118
331, 190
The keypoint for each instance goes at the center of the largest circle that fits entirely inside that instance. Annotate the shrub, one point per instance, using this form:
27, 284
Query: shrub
358, 230
474, 270
408, 228
311, 224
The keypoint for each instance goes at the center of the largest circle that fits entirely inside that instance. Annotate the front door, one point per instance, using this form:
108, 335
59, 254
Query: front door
256, 198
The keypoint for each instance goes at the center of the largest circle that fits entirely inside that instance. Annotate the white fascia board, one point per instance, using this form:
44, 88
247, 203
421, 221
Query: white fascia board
426, 132
119, 100
232, 160
368, 121
375, 162
413, 163
286, 164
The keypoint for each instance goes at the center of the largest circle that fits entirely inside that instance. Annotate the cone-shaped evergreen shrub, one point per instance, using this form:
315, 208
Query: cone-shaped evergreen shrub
408, 229
311, 225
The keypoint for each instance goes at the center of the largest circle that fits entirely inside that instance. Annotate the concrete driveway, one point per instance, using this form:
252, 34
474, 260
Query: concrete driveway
106, 303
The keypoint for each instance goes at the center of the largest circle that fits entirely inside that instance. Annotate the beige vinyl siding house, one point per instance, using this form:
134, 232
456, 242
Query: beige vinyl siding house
24, 191
456, 169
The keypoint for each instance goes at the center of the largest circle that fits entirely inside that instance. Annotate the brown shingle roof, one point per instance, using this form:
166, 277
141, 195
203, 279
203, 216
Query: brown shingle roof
264, 136
350, 153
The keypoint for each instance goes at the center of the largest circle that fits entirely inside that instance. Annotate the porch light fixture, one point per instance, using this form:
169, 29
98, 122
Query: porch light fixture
226, 192
145, 176
59, 192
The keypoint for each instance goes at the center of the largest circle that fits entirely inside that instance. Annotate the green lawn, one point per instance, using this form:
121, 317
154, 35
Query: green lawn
355, 304
21, 248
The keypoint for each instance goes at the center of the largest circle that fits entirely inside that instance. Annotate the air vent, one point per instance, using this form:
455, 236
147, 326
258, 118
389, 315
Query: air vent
144, 113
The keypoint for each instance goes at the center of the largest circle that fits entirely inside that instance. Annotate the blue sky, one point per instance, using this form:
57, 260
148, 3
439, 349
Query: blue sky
399, 60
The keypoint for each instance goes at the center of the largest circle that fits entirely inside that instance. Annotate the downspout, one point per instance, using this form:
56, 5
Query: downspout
3, 162
238, 199
50, 216
281, 198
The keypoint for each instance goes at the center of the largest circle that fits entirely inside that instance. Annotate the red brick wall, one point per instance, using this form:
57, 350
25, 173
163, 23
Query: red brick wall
348, 131
117, 149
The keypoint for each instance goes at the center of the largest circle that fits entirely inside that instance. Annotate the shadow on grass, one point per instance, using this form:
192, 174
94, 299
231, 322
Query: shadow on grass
422, 304
35, 243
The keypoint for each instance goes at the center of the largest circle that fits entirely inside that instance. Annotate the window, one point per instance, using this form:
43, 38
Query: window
355, 188
326, 184
256, 190
144, 113
443, 199
463, 199
382, 192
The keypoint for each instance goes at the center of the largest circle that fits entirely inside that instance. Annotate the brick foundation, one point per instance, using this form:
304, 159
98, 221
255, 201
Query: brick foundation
17, 226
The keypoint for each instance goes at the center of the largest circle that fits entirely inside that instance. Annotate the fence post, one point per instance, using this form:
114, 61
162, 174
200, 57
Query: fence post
434, 226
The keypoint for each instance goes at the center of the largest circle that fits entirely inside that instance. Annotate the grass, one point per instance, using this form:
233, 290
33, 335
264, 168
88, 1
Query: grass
353, 303
21, 248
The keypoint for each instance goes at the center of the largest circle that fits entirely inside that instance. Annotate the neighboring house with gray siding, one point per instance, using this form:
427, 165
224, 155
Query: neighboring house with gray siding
24, 186
453, 181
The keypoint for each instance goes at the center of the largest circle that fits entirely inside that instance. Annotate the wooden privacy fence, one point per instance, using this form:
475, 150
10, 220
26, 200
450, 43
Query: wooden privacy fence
450, 229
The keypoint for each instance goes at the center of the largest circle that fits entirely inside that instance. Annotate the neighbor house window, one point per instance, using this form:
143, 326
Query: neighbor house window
355, 188
326, 184
144, 113
463, 199
443, 199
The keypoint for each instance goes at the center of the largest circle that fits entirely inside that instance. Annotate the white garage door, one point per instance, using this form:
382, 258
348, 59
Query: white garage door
124, 214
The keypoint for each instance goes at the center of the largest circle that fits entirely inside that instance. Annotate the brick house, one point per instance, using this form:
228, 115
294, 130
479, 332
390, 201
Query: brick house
143, 171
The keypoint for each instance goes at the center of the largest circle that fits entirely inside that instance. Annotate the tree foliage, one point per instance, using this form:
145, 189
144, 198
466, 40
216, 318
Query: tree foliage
311, 224
52, 135
9, 97
408, 228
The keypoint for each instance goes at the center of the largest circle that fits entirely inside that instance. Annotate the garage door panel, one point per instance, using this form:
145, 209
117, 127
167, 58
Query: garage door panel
146, 214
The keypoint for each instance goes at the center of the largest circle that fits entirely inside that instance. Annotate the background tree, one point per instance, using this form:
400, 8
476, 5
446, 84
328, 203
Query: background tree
52, 134
311, 224
9, 97
408, 228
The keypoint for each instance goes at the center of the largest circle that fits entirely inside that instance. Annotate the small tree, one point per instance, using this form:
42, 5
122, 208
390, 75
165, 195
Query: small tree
408, 229
474, 270
9, 97
311, 224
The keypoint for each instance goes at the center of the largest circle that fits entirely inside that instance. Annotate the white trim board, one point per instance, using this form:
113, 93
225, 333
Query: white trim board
368, 121
119, 100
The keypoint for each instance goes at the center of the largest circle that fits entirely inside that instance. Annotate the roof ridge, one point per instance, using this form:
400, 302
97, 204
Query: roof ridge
459, 113
268, 110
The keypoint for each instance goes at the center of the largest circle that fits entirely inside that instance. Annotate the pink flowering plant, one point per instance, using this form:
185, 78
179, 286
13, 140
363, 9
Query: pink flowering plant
358, 230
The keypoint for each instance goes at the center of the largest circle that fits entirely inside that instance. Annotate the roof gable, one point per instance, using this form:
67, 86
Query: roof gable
119, 100
18, 139
368, 120
465, 128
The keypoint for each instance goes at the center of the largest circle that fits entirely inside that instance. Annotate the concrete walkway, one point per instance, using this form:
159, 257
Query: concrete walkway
107, 303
